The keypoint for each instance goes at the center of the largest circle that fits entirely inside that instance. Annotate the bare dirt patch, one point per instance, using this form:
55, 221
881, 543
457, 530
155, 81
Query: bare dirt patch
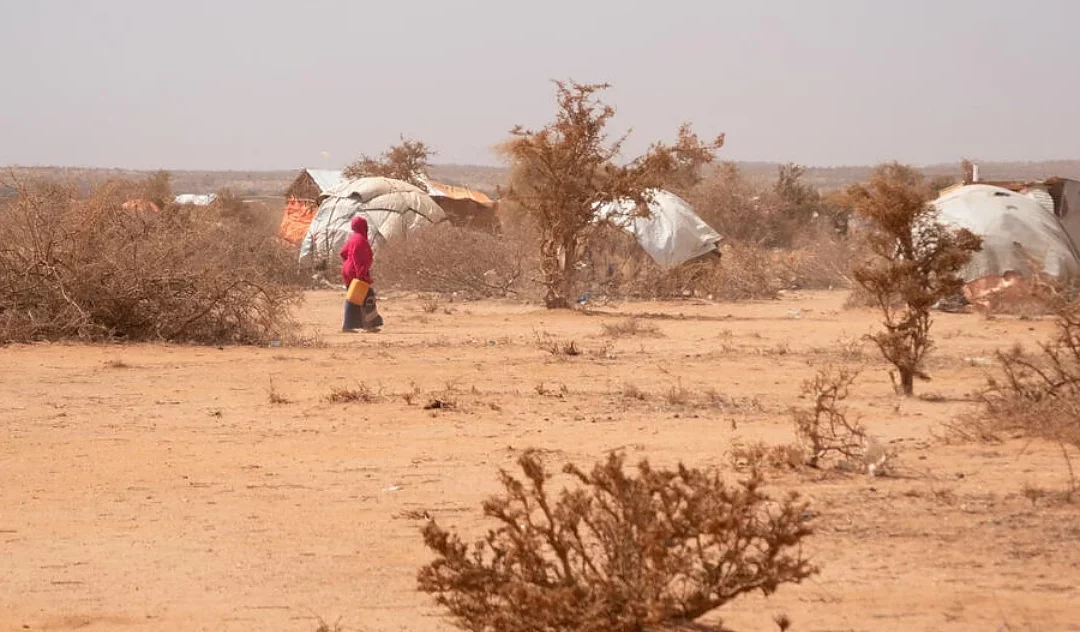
176, 494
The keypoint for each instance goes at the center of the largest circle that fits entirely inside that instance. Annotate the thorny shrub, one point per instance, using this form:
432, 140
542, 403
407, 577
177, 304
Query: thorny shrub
555, 347
561, 172
777, 237
768, 215
759, 455
1039, 394
630, 327
361, 393
915, 263
796, 244
88, 268
448, 259
823, 429
616, 266
618, 552
406, 161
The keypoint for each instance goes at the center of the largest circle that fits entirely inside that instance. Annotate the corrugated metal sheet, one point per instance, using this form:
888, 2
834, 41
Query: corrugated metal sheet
438, 189
325, 179
1043, 197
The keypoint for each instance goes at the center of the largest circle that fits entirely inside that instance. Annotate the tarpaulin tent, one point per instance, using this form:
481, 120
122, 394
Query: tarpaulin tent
1014, 227
391, 207
671, 234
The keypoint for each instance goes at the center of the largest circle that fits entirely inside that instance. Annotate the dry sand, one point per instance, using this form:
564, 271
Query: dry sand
154, 487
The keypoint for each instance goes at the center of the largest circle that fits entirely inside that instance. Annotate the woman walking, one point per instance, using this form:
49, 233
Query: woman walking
356, 260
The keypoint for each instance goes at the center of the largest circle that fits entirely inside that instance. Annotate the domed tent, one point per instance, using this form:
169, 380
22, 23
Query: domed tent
391, 207
1017, 232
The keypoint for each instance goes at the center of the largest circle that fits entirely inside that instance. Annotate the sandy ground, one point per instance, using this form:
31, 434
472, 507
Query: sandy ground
160, 488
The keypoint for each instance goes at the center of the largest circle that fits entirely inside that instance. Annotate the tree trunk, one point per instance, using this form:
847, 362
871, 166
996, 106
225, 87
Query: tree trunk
559, 277
558, 291
554, 301
907, 382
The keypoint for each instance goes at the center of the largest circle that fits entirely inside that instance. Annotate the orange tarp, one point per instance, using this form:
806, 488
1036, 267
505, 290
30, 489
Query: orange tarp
1009, 289
142, 206
296, 220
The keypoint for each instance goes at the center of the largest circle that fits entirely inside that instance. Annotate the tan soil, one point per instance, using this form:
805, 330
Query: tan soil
158, 488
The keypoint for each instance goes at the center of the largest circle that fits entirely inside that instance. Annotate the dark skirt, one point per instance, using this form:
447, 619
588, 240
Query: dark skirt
364, 315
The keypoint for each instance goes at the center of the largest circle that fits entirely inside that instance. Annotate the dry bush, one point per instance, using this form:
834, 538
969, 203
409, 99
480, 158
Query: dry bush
406, 161
678, 395
359, 394
441, 402
859, 297
755, 272
274, 396
447, 259
325, 626
632, 391
447, 398
561, 172
156, 189
556, 347
617, 553
777, 236
630, 327
821, 259
75, 267
412, 395
761, 456
617, 267
735, 206
915, 264
824, 429
772, 242
1039, 394
776, 215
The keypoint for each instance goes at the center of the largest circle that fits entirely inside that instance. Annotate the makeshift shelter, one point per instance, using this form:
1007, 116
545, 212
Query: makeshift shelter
302, 201
1060, 196
671, 234
463, 206
391, 207
1018, 234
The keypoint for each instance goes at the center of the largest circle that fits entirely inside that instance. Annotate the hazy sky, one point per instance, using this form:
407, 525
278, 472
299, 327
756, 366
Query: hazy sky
262, 84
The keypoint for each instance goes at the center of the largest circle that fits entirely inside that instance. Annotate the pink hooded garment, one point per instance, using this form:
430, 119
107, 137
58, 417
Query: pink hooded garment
356, 255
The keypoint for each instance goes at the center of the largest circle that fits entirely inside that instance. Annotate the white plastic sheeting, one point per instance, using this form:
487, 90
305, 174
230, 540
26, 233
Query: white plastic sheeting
196, 199
672, 234
1004, 219
391, 207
